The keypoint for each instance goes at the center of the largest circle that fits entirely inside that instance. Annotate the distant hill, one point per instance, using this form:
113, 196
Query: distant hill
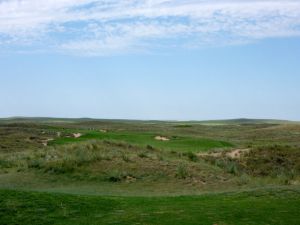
246, 121
41, 120
204, 122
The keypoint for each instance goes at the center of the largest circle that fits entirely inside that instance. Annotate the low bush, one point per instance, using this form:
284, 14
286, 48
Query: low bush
149, 147
272, 161
192, 156
5, 164
182, 171
125, 157
61, 167
143, 155
118, 176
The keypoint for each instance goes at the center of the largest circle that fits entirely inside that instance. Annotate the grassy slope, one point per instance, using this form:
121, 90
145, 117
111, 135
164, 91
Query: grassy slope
260, 207
144, 170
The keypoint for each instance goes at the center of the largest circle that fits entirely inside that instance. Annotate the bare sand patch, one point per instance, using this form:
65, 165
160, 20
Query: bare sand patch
214, 154
77, 135
234, 154
161, 138
45, 142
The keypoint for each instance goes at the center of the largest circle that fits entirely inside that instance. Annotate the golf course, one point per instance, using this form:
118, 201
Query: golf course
88, 171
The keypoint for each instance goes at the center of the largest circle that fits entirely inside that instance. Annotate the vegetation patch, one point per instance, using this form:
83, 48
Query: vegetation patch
269, 161
272, 161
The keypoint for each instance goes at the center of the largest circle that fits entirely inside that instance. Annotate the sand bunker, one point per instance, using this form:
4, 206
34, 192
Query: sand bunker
45, 142
77, 135
160, 138
236, 154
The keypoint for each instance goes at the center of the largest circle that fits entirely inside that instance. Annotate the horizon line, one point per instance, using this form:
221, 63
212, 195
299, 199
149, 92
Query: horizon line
163, 120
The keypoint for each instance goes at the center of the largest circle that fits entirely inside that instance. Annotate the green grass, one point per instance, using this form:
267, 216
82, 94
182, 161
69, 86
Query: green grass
259, 207
175, 143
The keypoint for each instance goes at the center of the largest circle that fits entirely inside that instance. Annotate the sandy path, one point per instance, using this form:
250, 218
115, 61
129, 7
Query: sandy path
234, 154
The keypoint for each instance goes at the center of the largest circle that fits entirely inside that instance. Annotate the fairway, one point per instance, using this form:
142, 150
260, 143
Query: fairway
175, 143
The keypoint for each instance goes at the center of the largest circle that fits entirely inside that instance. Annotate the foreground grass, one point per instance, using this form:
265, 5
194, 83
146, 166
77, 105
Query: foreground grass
259, 207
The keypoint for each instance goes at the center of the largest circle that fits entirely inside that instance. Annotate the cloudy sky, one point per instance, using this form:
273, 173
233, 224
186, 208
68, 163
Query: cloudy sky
150, 59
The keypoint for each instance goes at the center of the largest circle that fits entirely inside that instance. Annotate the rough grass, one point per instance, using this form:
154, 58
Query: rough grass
113, 162
120, 162
281, 162
272, 161
260, 207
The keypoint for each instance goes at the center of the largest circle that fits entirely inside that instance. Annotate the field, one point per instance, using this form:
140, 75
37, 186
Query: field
85, 171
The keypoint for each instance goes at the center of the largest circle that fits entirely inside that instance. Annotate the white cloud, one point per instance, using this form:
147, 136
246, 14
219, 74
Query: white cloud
97, 27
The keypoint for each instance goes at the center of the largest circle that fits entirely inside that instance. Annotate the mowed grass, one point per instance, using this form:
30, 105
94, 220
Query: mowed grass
176, 143
259, 207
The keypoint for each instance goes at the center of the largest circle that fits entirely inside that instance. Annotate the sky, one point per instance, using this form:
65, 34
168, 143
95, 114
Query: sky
150, 59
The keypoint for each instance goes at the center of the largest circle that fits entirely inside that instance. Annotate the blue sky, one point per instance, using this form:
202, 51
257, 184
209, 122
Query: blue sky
159, 59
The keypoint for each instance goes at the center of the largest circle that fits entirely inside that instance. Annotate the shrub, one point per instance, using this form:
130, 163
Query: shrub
151, 148
243, 180
5, 163
60, 167
273, 161
160, 157
192, 156
143, 155
117, 176
232, 167
182, 171
35, 163
125, 157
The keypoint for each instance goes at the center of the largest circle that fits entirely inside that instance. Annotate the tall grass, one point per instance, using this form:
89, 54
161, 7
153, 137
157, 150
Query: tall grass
59, 159
182, 171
